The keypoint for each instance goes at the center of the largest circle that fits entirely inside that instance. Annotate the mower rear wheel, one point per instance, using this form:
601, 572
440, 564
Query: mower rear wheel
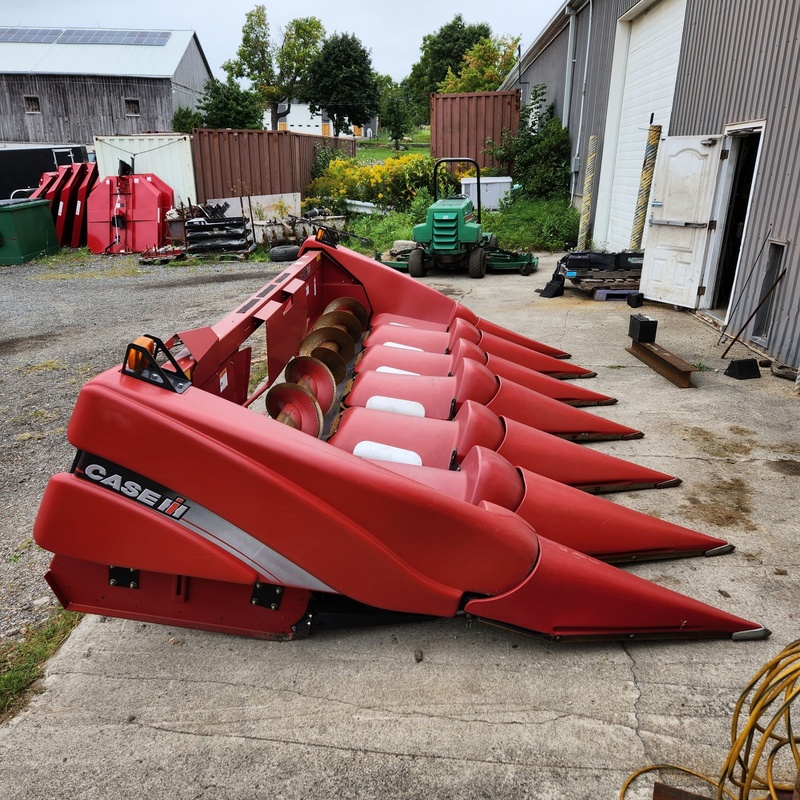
416, 263
477, 263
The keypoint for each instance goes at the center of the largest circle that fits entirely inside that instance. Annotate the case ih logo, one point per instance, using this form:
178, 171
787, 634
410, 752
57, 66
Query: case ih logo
130, 485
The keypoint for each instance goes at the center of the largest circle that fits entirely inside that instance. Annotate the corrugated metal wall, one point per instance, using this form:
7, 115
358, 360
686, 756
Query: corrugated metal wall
461, 123
595, 31
549, 69
167, 155
75, 109
741, 62
231, 163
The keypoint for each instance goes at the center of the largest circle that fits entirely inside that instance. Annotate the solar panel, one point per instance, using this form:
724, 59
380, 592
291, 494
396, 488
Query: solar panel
99, 36
83, 36
27, 35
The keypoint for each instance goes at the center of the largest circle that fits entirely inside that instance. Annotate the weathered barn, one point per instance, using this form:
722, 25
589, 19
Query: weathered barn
69, 85
720, 78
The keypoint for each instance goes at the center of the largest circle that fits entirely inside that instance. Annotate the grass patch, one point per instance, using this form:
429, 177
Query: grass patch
258, 374
382, 229
21, 663
78, 256
374, 155
39, 415
29, 436
533, 225
118, 270
43, 366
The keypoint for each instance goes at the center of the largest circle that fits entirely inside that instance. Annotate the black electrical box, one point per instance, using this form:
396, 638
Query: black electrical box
642, 328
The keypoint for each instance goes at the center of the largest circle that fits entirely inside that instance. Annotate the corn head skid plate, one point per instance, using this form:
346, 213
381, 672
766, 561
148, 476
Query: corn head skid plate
402, 459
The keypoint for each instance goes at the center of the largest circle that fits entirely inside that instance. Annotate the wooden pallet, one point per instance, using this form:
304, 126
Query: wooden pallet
612, 293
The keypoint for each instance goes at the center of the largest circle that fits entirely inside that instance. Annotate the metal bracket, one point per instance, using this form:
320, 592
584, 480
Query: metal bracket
123, 577
140, 363
268, 595
676, 223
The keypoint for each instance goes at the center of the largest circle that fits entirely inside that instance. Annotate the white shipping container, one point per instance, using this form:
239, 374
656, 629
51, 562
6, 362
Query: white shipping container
167, 155
493, 190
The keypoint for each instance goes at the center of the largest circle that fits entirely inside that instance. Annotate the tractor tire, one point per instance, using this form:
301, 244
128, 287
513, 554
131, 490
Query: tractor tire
492, 244
416, 263
286, 252
525, 269
477, 263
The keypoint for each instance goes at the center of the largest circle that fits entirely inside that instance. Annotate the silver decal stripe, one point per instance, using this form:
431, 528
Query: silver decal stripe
271, 565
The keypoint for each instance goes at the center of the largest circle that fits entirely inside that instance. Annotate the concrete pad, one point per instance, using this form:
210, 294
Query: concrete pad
132, 710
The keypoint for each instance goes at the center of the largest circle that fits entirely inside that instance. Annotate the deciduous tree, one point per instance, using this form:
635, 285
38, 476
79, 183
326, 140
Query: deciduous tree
441, 51
227, 105
484, 66
396, 114
341, 81
275, 68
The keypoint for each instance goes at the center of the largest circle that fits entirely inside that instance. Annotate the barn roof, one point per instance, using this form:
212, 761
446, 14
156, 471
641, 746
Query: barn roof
94, 51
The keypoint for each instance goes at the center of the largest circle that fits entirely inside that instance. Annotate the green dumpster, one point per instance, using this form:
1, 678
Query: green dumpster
26, 231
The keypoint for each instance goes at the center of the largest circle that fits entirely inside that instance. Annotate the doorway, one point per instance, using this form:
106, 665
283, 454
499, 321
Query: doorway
744, 155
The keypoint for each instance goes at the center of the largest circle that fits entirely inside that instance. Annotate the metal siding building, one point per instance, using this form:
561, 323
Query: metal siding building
738, 70
576, 85
58, 86
741, 63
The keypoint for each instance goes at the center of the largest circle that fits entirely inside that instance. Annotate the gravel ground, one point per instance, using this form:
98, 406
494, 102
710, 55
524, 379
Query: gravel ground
63, 320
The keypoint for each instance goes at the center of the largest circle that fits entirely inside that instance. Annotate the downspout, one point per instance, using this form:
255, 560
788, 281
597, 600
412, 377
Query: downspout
579, 142
573, 32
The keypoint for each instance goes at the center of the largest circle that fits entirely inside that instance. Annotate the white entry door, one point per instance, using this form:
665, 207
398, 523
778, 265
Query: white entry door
679, 233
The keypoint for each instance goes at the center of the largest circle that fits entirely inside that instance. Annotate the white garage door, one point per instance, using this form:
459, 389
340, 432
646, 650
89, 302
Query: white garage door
649, 86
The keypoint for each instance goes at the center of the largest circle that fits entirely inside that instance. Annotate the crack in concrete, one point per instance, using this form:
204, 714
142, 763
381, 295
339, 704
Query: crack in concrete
637, 728
376, 751
398, 712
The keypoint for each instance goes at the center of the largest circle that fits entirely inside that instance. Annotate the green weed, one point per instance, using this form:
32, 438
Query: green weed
21, 664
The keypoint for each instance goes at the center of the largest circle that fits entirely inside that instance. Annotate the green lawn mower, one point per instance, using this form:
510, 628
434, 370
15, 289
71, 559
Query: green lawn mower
452, 237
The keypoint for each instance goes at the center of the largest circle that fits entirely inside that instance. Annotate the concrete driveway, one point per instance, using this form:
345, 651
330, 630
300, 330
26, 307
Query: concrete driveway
454, 708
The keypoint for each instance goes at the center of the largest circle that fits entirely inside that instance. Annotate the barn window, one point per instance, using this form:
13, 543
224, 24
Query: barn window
32, 105
131, 107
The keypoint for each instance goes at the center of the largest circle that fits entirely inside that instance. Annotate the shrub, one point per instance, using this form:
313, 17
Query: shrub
185, 120
391, 185
539, 155
323, 156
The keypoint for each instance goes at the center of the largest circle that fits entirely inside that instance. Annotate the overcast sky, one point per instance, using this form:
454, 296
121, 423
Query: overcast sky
391, 30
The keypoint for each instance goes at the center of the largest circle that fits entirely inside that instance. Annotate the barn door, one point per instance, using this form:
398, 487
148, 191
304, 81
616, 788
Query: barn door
679, 232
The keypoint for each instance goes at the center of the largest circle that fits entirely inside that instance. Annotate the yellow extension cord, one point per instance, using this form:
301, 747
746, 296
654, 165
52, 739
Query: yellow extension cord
775, 683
